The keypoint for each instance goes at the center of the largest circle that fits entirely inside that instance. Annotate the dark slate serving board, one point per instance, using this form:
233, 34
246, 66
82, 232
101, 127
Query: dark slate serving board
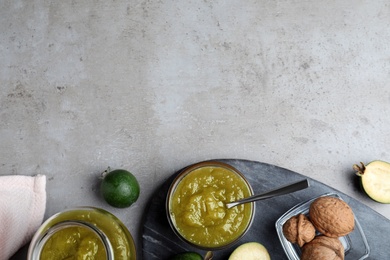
159, 241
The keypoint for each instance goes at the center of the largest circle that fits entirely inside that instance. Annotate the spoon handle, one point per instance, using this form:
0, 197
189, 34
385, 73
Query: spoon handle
300, 185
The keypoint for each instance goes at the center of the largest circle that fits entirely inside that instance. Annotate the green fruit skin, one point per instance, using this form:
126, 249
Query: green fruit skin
120, 188
187, 256
372, 194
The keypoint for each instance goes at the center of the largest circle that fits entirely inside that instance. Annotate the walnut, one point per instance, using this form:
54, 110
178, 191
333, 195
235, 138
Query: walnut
332, 216
323, 248
298, 229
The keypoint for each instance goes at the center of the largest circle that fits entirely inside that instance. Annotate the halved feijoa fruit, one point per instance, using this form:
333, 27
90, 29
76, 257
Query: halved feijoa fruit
375, 180
250, 251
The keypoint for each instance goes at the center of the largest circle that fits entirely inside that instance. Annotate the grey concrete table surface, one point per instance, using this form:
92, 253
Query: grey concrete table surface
153, 86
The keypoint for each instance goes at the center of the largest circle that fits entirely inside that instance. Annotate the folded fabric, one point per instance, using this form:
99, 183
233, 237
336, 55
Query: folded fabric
22, 207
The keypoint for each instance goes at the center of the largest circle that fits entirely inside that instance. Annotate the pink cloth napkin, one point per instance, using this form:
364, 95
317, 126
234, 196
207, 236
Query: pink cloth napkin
22, 207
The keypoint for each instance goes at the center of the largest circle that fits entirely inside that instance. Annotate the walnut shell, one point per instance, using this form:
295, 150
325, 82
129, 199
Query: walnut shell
323, 248
332, 216
298, 229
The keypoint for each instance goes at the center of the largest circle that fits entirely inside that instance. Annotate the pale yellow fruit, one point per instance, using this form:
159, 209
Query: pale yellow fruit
250, 251
375, 180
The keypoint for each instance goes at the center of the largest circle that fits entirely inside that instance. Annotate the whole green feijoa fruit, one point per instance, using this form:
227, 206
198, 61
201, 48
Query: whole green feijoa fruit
119, 188
187, 256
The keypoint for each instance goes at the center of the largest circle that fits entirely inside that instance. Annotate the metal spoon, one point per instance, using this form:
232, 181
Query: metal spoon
276, 192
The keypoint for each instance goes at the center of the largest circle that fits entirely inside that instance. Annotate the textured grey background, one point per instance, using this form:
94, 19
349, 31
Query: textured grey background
152, 86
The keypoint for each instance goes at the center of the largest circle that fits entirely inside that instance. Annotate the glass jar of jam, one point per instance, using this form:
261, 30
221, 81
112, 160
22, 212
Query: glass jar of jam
82, 233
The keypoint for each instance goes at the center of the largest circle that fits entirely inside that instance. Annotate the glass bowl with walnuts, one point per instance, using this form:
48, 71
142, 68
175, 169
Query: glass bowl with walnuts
323, 227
